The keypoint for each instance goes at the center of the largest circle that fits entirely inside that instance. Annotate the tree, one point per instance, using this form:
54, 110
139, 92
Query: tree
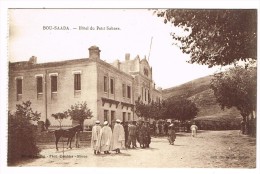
141, 109
25, 112
80, 112
154, 110
60, 116
214, 37
180, 109
22, 133
157, 110
237, 87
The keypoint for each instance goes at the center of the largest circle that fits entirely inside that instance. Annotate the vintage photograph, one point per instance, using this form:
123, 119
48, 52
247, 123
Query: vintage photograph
135, 88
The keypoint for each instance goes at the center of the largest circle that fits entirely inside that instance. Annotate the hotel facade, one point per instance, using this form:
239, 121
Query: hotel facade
109, 89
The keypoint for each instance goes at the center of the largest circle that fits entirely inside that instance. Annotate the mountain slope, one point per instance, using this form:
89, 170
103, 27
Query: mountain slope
199, 91
192, 87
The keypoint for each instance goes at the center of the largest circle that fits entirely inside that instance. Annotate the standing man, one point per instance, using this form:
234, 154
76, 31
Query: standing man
160, 127
188, 126
125, 125
136, 134
95, 137
172, 135
138, 128
105, 138
242, 127
131, 135
154, 128
157, 128
77, 134
193, 129
143, 135
118, 137
77, 139
165, 127
148, 135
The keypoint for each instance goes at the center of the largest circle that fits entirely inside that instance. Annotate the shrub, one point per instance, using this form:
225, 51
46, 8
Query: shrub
22, 134
80, 112
60, 116
217, 125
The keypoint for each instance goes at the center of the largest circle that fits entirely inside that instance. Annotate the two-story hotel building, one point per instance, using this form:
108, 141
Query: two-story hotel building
110, 90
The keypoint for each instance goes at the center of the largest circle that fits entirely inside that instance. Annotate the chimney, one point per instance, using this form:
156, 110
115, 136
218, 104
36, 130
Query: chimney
116, 64
127, 56
33, 60
94, 52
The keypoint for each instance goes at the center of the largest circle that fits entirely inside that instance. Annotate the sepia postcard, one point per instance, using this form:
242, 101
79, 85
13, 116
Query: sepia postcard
108, 89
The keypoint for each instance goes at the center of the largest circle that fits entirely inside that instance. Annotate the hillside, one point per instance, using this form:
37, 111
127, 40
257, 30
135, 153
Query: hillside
199, 91
192, 87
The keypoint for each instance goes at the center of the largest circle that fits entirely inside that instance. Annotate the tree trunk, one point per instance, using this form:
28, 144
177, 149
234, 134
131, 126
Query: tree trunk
82, 124
247, 128
243, 125
252, 124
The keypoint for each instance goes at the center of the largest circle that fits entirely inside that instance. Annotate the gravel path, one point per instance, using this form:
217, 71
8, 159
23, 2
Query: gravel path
210, 149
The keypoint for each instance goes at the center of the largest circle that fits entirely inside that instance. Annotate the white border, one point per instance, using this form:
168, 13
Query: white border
5, 4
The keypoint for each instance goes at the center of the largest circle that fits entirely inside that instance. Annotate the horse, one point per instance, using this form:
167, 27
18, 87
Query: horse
67, 133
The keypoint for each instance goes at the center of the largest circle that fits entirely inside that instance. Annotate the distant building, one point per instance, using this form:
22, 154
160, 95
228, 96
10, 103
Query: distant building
110, 90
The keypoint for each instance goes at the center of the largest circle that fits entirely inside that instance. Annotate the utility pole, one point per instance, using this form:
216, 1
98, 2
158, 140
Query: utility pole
150, 48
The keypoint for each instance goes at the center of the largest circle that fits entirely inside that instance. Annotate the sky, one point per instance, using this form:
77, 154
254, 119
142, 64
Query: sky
140, 32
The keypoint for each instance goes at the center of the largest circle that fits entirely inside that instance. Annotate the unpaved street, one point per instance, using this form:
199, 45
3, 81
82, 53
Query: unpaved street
210, 149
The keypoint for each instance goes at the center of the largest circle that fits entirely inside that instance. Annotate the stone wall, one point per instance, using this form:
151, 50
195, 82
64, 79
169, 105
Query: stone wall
65, 96
46, 137
114, 102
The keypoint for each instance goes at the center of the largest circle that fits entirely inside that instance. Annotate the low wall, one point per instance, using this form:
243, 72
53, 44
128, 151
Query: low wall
48, 136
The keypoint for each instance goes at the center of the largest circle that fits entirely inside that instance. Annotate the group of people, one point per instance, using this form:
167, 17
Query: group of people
127, 134
137, 132
160, 128
124, 135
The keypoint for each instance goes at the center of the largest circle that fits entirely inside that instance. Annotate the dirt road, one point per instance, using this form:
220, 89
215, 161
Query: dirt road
210, 149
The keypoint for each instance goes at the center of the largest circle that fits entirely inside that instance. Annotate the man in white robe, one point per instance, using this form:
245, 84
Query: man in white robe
95, 138
193, 129
105, 138
118, 138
